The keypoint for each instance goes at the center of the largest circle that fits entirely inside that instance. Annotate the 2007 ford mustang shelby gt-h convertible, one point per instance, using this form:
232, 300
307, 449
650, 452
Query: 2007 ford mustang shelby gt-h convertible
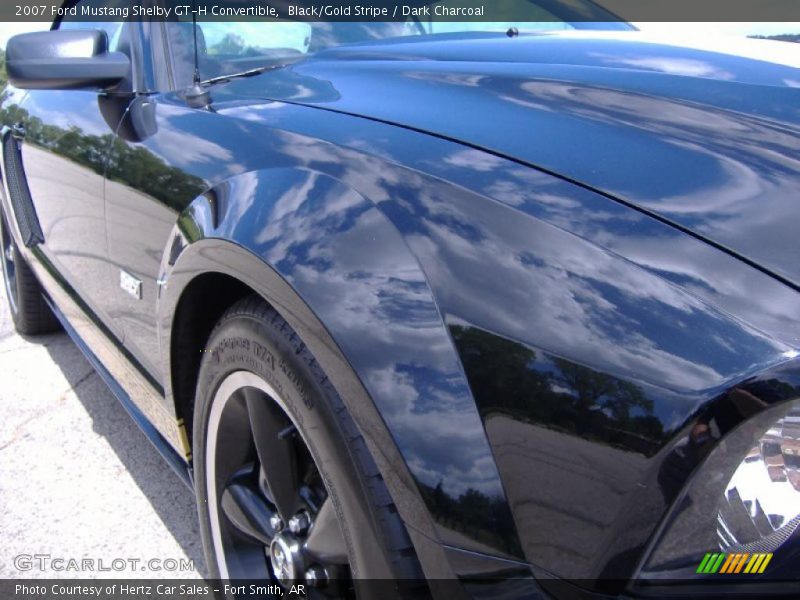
514, 309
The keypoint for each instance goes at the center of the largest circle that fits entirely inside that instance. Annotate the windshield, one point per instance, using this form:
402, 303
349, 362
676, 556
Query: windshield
226, 48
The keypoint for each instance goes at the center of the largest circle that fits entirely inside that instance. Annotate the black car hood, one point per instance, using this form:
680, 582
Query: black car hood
707, 138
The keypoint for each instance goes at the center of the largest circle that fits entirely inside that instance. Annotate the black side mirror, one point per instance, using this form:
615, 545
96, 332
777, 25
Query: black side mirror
64, 60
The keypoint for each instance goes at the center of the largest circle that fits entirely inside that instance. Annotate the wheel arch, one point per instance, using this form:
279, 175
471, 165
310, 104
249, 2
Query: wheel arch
212, 259
201, 304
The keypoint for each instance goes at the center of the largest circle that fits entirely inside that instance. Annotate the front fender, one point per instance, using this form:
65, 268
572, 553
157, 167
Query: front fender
341, 274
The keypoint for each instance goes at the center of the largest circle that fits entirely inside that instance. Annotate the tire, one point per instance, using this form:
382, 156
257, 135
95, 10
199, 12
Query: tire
29, 311
253, 347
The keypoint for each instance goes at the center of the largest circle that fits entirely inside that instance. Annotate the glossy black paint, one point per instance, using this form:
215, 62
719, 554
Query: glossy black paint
643, 109
531, 296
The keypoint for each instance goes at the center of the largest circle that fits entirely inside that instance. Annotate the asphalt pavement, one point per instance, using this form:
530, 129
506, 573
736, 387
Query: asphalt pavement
82, 491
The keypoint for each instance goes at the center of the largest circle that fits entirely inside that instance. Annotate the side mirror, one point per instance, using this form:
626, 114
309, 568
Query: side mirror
64, 60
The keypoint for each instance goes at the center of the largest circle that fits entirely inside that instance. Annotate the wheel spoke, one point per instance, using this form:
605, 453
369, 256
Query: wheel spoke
279, 469
247, 510
325, 540
274, 517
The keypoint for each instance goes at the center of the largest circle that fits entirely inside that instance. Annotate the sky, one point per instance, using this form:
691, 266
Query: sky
9, 29
735, 29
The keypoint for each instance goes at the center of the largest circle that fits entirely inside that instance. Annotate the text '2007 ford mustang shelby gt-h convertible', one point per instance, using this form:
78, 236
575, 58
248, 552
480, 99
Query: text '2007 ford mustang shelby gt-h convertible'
512, 309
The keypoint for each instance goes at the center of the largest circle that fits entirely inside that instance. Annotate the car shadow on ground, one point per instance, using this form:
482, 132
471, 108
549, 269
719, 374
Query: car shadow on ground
170, 498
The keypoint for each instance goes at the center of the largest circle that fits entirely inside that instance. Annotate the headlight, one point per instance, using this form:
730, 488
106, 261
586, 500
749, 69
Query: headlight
760, 509
739, 515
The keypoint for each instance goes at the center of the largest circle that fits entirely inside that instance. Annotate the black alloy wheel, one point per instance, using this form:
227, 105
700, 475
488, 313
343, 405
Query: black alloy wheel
287, 490
272, 499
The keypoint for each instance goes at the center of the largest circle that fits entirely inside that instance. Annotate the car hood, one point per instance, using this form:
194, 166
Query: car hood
705, 136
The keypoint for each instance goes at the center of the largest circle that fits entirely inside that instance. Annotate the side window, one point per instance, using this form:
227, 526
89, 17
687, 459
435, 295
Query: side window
227, 47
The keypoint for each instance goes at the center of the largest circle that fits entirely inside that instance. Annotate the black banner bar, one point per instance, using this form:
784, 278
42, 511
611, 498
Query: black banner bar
403, 10
471, 587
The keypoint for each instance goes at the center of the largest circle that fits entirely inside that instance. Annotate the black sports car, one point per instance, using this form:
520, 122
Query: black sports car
474, 310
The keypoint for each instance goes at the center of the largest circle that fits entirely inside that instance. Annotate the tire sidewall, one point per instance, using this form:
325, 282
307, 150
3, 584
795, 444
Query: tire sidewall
245, 343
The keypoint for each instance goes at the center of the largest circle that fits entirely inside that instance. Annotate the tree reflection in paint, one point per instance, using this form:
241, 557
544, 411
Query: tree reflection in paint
477, 515
107, 155
509, 377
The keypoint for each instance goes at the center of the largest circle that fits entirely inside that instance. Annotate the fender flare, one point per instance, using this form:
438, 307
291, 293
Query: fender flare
342, 276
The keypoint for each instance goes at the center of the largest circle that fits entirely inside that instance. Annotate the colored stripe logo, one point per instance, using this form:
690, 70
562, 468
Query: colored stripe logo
739, 562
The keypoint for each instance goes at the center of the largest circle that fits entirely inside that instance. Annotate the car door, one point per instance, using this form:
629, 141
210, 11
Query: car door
145, 193
65, 139
169, 152
159, 165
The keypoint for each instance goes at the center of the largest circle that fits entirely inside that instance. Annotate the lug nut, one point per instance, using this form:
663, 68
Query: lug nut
276, 523
299, 523
317, 577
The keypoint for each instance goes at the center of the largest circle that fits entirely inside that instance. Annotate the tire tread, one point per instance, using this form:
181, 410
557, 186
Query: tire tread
34, 315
